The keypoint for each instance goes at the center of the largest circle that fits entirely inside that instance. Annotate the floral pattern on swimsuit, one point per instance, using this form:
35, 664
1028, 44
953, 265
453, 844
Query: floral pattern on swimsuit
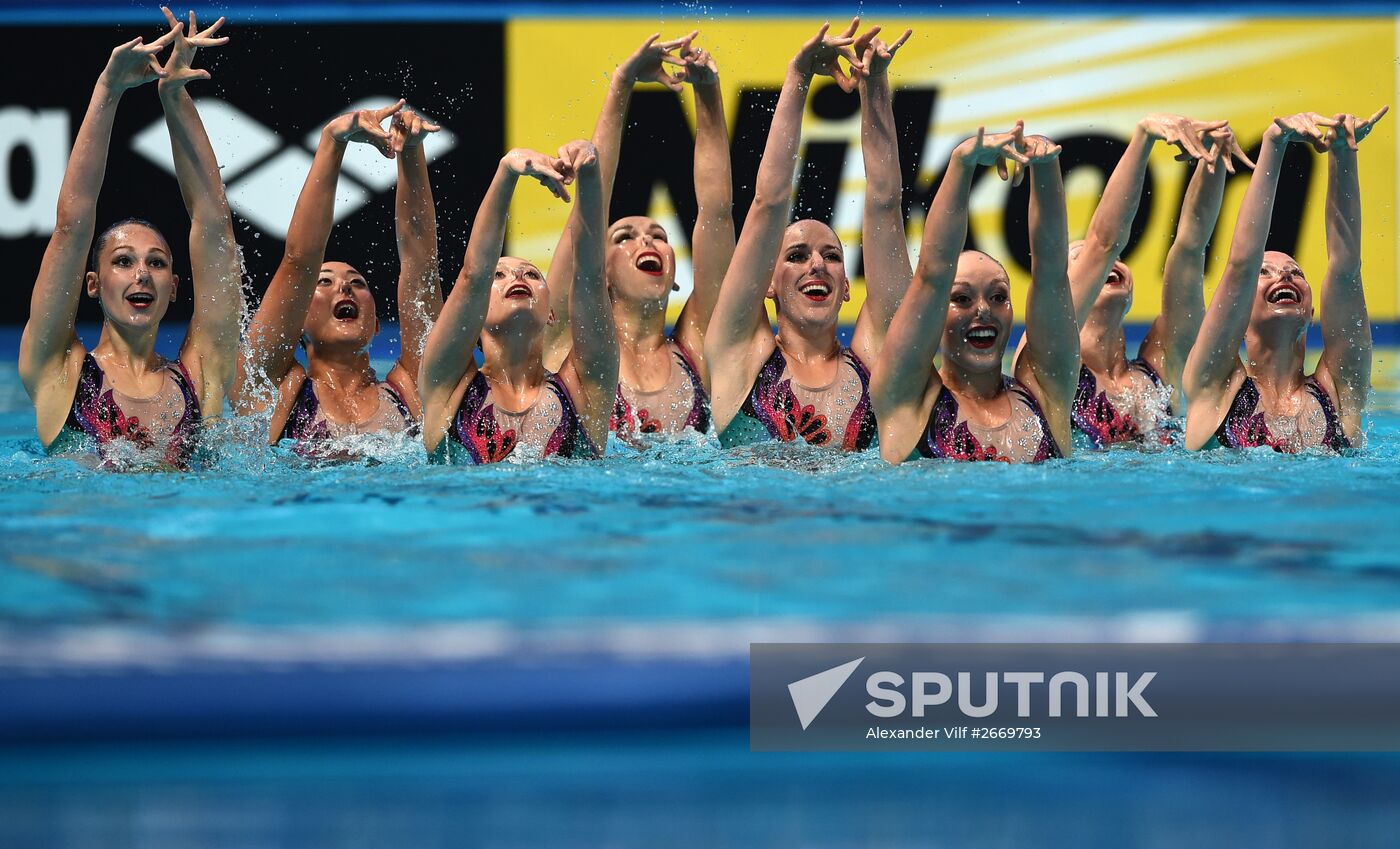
549, 427
681, 403
838, 415
163, 428
1096, 416
1246, 426
1025, 438
308, 425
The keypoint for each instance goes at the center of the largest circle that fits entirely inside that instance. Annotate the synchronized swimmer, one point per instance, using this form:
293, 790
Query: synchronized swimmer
582, 356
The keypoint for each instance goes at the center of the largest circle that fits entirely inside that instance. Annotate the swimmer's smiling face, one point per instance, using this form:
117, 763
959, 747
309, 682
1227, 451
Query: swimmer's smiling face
1116, 296
1283, 297
641, 264
809, 281
979, 314
342, 308
519, 297
134, 280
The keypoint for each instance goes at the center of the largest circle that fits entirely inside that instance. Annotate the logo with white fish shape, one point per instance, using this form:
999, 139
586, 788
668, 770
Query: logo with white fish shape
263, 173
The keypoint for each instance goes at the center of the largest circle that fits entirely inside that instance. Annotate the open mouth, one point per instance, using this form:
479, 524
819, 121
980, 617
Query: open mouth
1114, 278
1285, 293
815, 290
982, 338
649, 262
519, 290
346, 310
141, 300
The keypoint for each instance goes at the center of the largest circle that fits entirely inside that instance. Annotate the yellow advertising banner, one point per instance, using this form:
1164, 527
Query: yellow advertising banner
1083, 81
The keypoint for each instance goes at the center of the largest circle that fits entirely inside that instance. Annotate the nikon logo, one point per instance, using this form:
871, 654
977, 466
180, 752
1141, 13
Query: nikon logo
264, 173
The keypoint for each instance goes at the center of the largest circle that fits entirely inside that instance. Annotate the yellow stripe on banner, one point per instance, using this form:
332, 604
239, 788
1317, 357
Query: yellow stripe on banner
1065, 78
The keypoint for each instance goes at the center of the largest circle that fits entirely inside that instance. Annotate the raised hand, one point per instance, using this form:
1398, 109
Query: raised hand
134, 63
177, 70
646, 64
818, 57
546, 169
699, 68
578, 155
1307, 127
366, 126
1182, 132
994, 149
408, 129
1223, 148
1351, 130
876, 54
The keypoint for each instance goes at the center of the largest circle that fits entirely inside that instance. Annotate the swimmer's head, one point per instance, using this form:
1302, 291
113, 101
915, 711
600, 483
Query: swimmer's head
519, 298
130, 272
979, 314
1116, 296
1282, 299
641, 265
809, 280
342, 311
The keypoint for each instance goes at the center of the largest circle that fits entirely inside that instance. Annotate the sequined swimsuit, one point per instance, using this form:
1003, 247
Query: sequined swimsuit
162, 428
1024, 438
1246, 426
308, 425
1094, 415
482, 432
838, 415
681, 403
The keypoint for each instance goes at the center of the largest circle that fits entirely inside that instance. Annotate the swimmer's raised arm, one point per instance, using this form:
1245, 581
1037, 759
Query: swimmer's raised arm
1112, 223
646, 64
1050, 358
277, 326
739, 338
210, 352
591, 367
712, 242
904, 383
883, 245
50, 341
1172, 333
447, 356
1346, 326
1214, 358
415, 230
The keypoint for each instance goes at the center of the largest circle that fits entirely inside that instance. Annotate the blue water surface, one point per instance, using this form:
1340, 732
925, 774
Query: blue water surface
663, 545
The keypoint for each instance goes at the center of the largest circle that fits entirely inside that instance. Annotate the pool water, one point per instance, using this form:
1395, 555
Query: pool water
684, 552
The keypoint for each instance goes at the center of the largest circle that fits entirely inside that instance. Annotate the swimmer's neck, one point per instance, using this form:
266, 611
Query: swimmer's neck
515, 360
1276, 369
641, 326
1102, 346
342, 370
806, 344
128, 348
982, 385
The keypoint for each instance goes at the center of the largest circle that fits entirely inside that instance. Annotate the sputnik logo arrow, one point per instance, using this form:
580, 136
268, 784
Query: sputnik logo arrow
811, 695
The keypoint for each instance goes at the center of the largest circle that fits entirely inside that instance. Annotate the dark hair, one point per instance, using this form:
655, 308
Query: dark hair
101, 240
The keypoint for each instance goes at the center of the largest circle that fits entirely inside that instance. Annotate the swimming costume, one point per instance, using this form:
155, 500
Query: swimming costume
307, 423
1245, 426
163, 427
1095, 415
681, 403
549, 427
838, 415
1024, 438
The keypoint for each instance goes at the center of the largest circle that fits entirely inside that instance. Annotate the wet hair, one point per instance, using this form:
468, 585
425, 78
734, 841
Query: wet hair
994, 260
101, 241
